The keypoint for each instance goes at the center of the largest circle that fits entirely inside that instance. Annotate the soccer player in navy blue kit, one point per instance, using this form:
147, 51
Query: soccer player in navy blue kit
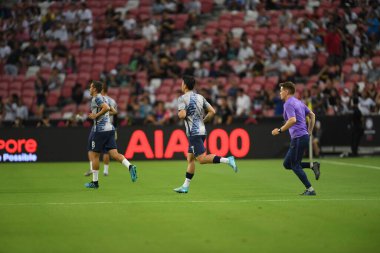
295, 114
103, 138
192, 108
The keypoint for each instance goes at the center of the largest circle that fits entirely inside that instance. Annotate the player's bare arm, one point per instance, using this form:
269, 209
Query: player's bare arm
289, 123
311, 121
210, 114
104, 108
113, 111
182, 114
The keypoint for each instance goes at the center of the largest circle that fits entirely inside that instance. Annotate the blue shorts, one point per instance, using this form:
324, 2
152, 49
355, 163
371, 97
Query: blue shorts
196, 145
102, 142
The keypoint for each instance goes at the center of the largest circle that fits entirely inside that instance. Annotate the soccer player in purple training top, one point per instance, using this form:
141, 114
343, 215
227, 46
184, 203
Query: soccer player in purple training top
103, 138
192, 108
295, 114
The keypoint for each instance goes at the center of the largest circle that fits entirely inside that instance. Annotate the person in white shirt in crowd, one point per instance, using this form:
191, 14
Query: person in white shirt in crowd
149, 31
61, 33
297, 50
129, 23
288, 69
44, 57
21, 110
243, 103
5, 50
201, 70
70, 14
362, 66
85, 13
272, 66
57, 63
245, 52
282, 51
10, 105
366, 103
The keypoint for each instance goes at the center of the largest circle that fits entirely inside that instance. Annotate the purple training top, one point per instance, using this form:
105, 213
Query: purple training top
293, 107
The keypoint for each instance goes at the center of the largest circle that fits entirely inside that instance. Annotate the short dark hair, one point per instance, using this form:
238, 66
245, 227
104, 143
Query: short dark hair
289, 86
189, 82
98, 86
105, 88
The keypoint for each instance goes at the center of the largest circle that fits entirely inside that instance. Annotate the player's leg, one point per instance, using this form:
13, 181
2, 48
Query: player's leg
89, 172
119, 157
89, 148
199, 150
298, 147
189, 174
315, 165
97, 144
106, 163
95, 171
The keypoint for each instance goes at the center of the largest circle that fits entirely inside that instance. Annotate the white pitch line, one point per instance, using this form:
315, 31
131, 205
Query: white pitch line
182, 202
353, 165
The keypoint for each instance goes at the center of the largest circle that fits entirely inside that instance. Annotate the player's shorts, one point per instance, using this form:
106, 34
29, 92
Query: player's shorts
103, 141
196, 144
91, 135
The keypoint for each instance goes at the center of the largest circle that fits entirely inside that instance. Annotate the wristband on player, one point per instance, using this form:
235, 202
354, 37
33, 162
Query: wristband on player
279, 130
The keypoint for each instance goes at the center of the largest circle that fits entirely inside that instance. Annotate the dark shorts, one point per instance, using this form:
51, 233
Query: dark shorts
102, 142
196, 145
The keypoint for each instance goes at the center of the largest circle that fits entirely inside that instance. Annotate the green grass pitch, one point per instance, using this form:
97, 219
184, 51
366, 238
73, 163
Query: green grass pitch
44, 207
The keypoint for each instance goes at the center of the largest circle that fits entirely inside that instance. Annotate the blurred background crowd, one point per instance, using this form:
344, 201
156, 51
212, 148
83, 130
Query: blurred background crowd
238, 50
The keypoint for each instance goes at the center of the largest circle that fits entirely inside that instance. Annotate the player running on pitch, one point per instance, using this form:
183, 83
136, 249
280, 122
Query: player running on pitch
192, 108
103, 137
295, 113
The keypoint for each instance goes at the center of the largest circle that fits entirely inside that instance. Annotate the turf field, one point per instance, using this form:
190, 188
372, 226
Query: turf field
45, 208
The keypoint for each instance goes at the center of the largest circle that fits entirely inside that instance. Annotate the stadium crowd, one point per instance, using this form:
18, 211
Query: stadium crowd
330, 49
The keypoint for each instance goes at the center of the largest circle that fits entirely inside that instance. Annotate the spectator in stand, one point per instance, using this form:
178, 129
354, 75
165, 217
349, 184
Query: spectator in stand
160, 116
193, 8
41, 89
223, 113
14, 61
366, 103
158, 7
202, 70
167, 28
263, 19
5, 51
60, 49
288, 70
318, 101
245, 52
272, 66
44, 122
112, 31
70, 65
10, 106
333, 42
282, 51
57, 63
145, 108
21, 110
149, 31
130, 26
243, 104
225, 68
234, 88
77, 93
181, 53
44, 58
345, 99
362, 66
86, 36
256, 66
111, 79
84, 13
31, 53
55, 81
284, 19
